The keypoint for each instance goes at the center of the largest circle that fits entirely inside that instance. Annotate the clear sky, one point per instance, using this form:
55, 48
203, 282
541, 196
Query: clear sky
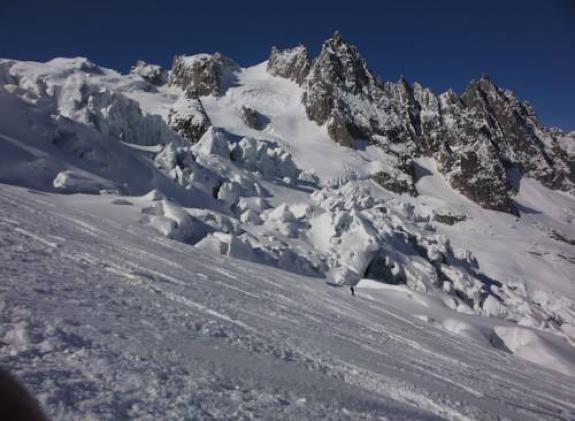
524, 45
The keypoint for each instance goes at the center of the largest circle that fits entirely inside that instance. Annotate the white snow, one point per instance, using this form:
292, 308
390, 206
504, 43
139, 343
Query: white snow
72, 182
153, 328
280, 101
193, 281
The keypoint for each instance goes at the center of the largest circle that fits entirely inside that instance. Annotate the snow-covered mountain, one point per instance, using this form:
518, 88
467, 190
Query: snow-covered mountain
227, 204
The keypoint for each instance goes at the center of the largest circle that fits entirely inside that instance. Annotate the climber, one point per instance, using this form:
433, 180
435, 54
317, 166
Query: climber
352, 290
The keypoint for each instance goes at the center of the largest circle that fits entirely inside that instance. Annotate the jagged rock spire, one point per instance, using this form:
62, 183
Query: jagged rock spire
338, 68
476, 137
292, 63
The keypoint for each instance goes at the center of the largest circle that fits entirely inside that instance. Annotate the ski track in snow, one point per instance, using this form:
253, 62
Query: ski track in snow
105, 321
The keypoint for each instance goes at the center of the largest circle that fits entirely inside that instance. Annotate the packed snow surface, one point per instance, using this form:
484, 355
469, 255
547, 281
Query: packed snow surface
103, 320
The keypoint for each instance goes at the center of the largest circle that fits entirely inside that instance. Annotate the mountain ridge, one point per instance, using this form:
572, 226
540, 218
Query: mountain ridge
484, 117
444, 195
486, 130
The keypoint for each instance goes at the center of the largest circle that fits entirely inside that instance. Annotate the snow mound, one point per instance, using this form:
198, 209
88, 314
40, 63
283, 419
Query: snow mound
530, 345
87, 94
174, 222
214, 142
72, 182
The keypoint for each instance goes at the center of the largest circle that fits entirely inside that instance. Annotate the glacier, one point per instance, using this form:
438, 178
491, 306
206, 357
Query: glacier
180, 244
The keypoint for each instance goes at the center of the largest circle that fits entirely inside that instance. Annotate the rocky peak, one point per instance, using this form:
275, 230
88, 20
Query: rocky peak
409, 108
203, 74
342, 64
152, 73
292, 63
478, 139
530, 113
520, 138
340, 91
448, 98
428, 102
480, 92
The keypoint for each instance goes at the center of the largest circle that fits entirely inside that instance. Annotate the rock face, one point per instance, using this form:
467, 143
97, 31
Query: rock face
515, 130
250, 117
202, 74
253, 118
397, 182
292, 64
189, 119
154, 74
481, 140
338, 76
5, 77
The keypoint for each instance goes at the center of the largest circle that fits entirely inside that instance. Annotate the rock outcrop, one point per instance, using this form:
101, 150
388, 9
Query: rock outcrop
339, 89
189, 119
292, 63
481, 140
202, 74
253, 119
152, 73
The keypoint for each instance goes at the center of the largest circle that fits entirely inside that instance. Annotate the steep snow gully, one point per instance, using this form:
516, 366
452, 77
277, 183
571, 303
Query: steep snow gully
180, 244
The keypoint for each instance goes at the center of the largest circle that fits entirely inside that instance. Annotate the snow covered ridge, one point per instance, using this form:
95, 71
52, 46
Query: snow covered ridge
475, 138
482, 140
242, 163
80, 90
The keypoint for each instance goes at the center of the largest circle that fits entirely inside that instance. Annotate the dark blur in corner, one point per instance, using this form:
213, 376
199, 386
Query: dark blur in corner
16, 403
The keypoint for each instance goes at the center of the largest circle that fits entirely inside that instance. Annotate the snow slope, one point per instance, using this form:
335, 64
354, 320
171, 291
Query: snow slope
280, 101
103, 321
516, 249
199, 281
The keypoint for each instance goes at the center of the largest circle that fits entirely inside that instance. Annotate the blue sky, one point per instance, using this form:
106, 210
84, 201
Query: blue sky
524, 45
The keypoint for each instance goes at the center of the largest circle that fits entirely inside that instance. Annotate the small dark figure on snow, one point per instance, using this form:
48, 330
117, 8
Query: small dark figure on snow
352, 291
